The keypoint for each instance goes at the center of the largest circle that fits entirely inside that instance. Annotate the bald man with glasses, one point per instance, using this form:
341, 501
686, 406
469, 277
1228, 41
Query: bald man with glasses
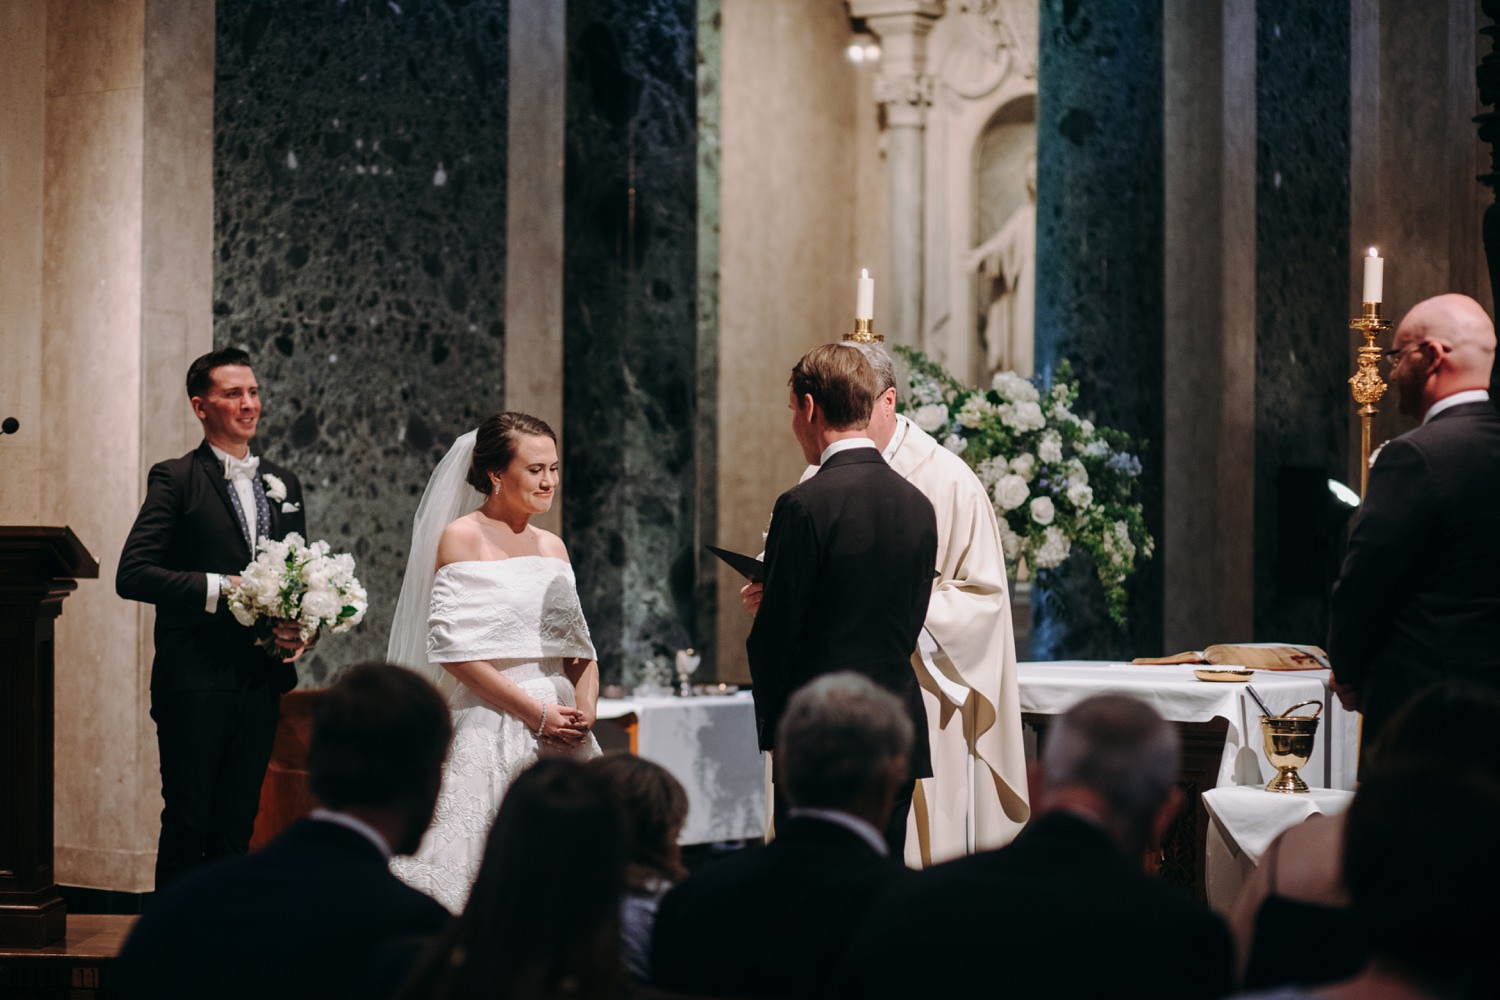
1418, 598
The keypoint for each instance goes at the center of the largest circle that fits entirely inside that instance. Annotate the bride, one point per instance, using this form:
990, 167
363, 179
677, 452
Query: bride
499, 628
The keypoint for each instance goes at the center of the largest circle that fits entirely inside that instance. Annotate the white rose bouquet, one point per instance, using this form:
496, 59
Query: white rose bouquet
292, 581
1056, 480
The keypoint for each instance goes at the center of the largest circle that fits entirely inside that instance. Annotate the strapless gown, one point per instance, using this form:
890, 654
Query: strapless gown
522, 615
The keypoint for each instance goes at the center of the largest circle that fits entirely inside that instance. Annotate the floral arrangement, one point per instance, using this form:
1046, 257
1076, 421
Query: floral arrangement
1056, 480
292, 581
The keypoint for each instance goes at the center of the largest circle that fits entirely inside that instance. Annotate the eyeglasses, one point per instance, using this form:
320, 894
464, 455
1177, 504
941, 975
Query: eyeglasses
1393, 356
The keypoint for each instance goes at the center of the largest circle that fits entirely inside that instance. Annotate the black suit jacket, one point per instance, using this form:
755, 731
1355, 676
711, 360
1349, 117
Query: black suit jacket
769, 921
1418, 598
850, 561
1058, 913
186, 529
303, 918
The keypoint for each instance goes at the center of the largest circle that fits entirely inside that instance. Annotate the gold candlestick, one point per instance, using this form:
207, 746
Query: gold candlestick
1366, 385
864, 333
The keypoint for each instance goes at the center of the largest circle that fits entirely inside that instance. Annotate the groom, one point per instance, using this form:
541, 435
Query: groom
214, 692
850, 561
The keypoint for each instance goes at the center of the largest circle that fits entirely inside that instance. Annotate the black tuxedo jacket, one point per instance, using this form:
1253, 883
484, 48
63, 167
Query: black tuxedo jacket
1418, 598
303, 918
187, 528
769, 921
850, 562
1058, 913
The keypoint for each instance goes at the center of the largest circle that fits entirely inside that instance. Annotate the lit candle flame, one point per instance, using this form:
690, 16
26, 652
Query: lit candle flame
1374, 252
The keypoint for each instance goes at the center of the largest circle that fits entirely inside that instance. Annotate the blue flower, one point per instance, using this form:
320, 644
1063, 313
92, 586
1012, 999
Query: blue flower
1124, 462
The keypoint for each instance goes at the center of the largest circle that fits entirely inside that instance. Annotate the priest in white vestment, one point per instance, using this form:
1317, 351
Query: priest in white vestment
966, 655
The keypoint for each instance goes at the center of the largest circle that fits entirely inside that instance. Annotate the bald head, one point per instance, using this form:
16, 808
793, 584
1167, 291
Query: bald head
1446, 345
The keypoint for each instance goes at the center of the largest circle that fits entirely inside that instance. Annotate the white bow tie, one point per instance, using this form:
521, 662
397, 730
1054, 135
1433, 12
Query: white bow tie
241, 468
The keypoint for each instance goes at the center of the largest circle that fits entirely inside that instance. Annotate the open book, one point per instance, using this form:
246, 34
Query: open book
1253, 655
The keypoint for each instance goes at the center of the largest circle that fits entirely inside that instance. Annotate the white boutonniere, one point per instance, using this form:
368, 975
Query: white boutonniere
275, 488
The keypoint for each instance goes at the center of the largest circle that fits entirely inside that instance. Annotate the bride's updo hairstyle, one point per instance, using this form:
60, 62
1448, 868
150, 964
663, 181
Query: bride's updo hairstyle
495, 444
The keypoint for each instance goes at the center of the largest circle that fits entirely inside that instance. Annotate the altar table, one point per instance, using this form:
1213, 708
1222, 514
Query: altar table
1222, 747
1245, 821
1052, 688
708, 743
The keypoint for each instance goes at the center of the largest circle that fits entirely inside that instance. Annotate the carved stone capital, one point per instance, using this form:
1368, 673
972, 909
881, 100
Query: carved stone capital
903, 90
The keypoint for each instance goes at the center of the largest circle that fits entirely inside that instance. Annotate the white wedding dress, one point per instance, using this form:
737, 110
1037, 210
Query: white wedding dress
522, 615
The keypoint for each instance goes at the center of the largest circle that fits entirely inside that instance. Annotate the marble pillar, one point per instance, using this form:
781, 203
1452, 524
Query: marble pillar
534, 216
1302, 232
630, 328
23, 115
1209, 333
904, 89
106, 206
360, 256
1099, 278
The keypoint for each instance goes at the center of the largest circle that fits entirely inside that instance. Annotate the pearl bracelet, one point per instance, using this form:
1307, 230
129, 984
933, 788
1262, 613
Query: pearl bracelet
543, 724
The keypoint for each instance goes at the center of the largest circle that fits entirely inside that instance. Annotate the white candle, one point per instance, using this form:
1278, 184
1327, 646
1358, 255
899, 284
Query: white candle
864, 302
1374, 276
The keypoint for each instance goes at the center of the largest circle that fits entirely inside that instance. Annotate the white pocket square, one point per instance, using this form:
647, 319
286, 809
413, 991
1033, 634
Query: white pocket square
290, 508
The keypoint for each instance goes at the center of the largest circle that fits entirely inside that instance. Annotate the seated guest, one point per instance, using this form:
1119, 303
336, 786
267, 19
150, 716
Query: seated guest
656, 806
305, 916
773, 920
1066, 910
1297, 892
543, 919
1423, 875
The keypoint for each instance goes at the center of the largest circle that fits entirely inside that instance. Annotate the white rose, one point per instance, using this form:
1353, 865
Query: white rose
973, 412
275, 488
1011, 491
930, 417
1053, 551
1029, 416
1050, 450
1009, 541
1080, 495
955, 443
1042, 510
320, 605
1024, 465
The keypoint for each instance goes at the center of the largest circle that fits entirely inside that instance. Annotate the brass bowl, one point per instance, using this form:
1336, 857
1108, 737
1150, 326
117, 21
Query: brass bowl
1289, 745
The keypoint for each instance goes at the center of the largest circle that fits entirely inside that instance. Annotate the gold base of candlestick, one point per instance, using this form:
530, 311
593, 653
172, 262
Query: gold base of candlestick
1366, 385
864, 333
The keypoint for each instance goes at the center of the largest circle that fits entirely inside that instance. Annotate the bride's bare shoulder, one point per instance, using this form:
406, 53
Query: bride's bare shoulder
548, 544
460, 541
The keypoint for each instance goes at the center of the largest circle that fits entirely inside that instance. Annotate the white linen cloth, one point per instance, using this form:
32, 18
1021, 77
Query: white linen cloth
1252, 817
1053, 688
708, 743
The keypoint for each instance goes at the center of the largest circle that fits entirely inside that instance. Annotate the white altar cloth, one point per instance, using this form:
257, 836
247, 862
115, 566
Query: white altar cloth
1252, 817
1054, 687
708, 743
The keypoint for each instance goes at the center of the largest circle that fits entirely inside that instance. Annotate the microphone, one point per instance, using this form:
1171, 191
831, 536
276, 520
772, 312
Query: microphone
9, 425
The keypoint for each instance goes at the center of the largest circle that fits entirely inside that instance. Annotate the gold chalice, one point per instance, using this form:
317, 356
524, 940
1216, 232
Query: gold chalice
1289, 745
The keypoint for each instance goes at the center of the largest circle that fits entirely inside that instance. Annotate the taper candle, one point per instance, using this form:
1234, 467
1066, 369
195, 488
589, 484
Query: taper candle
864, 302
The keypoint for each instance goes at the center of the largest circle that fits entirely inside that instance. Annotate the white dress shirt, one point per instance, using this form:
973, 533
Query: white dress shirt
1457, 399
246, 493
844, 444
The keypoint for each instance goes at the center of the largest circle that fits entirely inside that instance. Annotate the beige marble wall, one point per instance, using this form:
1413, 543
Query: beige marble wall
792, 240
106, 221
23, 26
91, 348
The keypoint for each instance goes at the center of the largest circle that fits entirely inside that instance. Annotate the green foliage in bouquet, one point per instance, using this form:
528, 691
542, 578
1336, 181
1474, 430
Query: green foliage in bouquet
1056, 480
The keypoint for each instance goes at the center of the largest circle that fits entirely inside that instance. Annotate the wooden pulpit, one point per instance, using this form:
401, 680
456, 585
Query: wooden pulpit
39, 566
